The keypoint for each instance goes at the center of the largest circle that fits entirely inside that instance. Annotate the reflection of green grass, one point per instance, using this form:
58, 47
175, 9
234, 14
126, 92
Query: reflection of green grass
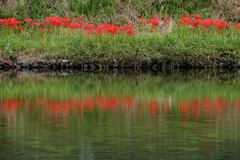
179, 86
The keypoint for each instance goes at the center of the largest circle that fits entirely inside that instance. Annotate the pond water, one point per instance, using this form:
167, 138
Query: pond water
120, 115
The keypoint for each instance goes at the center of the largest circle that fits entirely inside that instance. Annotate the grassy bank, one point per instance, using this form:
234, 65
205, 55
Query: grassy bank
102, 36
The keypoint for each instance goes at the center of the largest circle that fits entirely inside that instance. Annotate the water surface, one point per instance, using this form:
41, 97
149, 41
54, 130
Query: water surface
120, 115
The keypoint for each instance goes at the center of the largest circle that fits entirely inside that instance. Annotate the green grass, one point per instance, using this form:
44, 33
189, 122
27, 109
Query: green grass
181, 42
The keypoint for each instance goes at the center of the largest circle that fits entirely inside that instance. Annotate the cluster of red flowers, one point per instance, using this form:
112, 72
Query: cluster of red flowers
155, 21
78, 23
74, 23
196, 21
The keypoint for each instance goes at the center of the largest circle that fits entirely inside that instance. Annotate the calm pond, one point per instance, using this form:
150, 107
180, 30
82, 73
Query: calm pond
120, 115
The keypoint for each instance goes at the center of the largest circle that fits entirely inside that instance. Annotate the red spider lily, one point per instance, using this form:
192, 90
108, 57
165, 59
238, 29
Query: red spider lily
185, 19
89, 26
67, 19
75, 26
80, 18
81, 23
44, 24
204, 31
56, 23
89, 32
113, 30
67, 24
197, 16
117, 24
41, 29
42, 36
34, 24
132, 24
194, 25
187, 15
130, 31
49, 30
20, 28
206, 23
11, 22
74, 19
167, 20
142, 19
156, 16
99, 31
124, 27
182, 23
154, 22
237, 26
28, 20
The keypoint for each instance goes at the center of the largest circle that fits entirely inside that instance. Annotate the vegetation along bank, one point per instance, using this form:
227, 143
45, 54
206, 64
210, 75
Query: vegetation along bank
88, 38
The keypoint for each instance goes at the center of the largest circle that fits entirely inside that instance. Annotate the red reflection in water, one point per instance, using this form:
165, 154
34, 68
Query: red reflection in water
153, 107
11, 104
202, 107
194, 108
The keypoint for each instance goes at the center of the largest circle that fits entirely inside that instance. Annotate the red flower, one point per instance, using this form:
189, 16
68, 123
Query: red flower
80, 18
237, 26
42, 36
112, 30
142, 19
154, 22
89, 32
89, 26
28, 20
204, 31
41, 29
187, 15
117, 24
20, 28
34, 24
81, 23
198, 16
167, 20
130, 31
132, 24
182, 23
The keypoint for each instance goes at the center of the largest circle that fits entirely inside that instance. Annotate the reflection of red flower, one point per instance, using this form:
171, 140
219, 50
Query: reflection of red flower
153, 106
11, 104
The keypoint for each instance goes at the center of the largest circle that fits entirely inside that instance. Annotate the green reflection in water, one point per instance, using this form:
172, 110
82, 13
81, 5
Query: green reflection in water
129, 116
